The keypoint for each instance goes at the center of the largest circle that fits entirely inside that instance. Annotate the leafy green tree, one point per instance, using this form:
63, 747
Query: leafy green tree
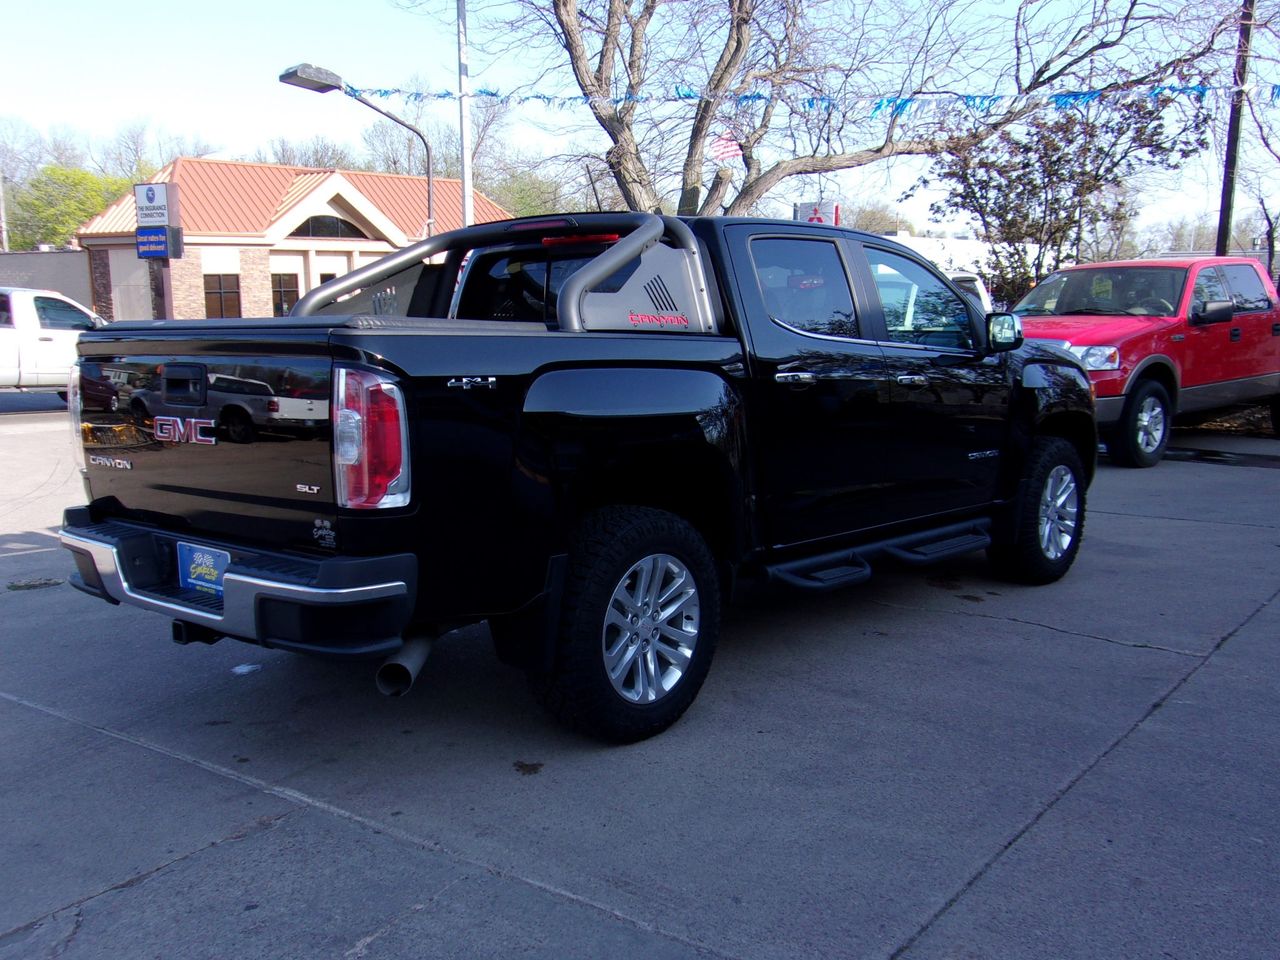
1046, 192
53, 204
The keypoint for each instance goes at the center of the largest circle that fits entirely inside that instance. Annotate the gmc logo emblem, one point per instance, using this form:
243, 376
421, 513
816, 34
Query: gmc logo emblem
179, 430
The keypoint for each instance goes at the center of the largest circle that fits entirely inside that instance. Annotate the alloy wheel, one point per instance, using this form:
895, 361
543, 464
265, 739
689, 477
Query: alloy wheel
650, 628
1059, 502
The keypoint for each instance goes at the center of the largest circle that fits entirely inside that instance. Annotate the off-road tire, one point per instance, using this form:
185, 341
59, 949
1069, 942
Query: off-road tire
1030, 552
610, 545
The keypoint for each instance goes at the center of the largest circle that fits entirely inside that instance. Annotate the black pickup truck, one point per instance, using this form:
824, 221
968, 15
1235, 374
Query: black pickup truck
587, 430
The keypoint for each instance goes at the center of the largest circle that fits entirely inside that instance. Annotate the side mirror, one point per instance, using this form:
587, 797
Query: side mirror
1004, 332
1213, 311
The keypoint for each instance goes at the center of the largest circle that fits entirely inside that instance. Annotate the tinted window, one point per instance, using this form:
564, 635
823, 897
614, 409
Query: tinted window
6, 318
60, 315
918, 306
328, 227
221, 295
1247, 291
804, 285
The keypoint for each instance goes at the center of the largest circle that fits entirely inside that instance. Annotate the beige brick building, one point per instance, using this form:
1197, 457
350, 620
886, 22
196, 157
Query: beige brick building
258, 236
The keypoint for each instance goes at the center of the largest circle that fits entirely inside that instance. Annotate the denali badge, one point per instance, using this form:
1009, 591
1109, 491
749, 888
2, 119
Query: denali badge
115, 463
179, 430
466, 383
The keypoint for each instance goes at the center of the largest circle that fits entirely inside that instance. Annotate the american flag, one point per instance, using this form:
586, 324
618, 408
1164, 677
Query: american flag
724, 147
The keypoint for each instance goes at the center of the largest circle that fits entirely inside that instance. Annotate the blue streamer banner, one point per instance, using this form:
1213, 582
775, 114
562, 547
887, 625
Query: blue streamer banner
895, 107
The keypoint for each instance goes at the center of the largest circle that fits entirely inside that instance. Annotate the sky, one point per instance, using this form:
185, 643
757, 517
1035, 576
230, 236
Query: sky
208, 71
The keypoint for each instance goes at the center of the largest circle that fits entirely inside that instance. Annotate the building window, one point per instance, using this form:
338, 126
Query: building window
329, 228
221, 295
326, 277
284, 292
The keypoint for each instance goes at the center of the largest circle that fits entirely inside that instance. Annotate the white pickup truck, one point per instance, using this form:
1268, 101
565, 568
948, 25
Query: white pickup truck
38, 333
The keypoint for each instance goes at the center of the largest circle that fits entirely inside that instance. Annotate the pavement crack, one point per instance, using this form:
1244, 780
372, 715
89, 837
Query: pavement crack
1044, 626
1057, 797
307, 801
362, 945
1209, 520
61, 946
258, 825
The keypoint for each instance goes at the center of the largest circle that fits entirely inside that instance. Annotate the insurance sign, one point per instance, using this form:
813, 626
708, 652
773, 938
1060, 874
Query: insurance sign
157, 204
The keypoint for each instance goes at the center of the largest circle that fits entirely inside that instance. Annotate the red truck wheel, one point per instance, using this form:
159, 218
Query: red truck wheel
1143, 432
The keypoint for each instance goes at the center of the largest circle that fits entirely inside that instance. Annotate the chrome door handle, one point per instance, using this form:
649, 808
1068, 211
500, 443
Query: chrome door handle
46, 339
796, 377
913, 380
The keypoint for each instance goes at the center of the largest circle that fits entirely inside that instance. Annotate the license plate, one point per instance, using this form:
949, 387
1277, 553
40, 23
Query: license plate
201, 568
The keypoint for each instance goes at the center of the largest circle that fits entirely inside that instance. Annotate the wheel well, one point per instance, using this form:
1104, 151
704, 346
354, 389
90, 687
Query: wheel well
701, 488
1164, 376
1078, 430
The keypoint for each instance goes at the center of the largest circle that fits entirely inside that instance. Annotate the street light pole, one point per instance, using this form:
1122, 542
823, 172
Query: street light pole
464, 115
320, 80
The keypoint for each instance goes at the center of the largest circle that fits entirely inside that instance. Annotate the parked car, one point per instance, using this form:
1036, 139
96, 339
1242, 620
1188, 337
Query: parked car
38, 333
972, 284
586, 430
1161, 339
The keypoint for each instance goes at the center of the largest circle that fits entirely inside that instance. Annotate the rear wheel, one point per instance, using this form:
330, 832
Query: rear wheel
239, 426
1049, 518
1141, 436
639, 627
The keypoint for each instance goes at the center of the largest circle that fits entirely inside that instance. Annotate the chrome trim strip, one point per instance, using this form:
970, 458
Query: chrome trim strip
240, 593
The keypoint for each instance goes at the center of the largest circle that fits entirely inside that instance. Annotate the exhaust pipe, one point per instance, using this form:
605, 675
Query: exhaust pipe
396, 674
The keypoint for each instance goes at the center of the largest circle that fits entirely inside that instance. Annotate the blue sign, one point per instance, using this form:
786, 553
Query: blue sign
159, 243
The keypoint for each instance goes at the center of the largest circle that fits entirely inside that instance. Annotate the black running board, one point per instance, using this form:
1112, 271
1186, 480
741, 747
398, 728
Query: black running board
841, 568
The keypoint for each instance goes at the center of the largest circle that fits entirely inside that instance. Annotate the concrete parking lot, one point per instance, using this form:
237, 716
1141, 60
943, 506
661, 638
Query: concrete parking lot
933, 765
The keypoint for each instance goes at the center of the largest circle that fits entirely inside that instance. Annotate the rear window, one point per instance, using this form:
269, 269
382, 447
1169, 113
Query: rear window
525, 285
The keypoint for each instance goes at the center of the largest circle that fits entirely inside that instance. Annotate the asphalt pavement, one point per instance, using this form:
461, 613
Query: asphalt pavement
934, 764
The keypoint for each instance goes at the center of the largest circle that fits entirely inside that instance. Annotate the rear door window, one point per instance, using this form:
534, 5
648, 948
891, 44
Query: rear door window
1247, 292
804, 285
6, 318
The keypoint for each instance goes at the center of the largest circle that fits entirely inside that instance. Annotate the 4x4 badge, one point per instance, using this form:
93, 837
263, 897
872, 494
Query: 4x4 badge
466, 383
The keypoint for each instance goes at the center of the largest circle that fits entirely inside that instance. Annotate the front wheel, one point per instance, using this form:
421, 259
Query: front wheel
639, 627
1143, 431
1049, 517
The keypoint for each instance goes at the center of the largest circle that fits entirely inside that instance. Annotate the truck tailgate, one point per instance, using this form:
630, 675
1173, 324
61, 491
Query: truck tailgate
212, 432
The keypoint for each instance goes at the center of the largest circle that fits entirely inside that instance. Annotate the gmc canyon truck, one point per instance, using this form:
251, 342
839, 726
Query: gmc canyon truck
586, 430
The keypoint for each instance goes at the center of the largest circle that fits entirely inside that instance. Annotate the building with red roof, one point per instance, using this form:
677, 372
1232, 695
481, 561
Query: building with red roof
257, 236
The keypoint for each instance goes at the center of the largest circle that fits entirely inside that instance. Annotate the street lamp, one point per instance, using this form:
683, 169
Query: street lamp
320, 80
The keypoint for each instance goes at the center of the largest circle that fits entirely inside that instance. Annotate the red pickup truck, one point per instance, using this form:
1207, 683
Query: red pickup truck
1163, 338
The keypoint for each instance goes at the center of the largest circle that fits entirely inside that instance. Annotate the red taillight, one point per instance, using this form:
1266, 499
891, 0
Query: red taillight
370, 441
273, 405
